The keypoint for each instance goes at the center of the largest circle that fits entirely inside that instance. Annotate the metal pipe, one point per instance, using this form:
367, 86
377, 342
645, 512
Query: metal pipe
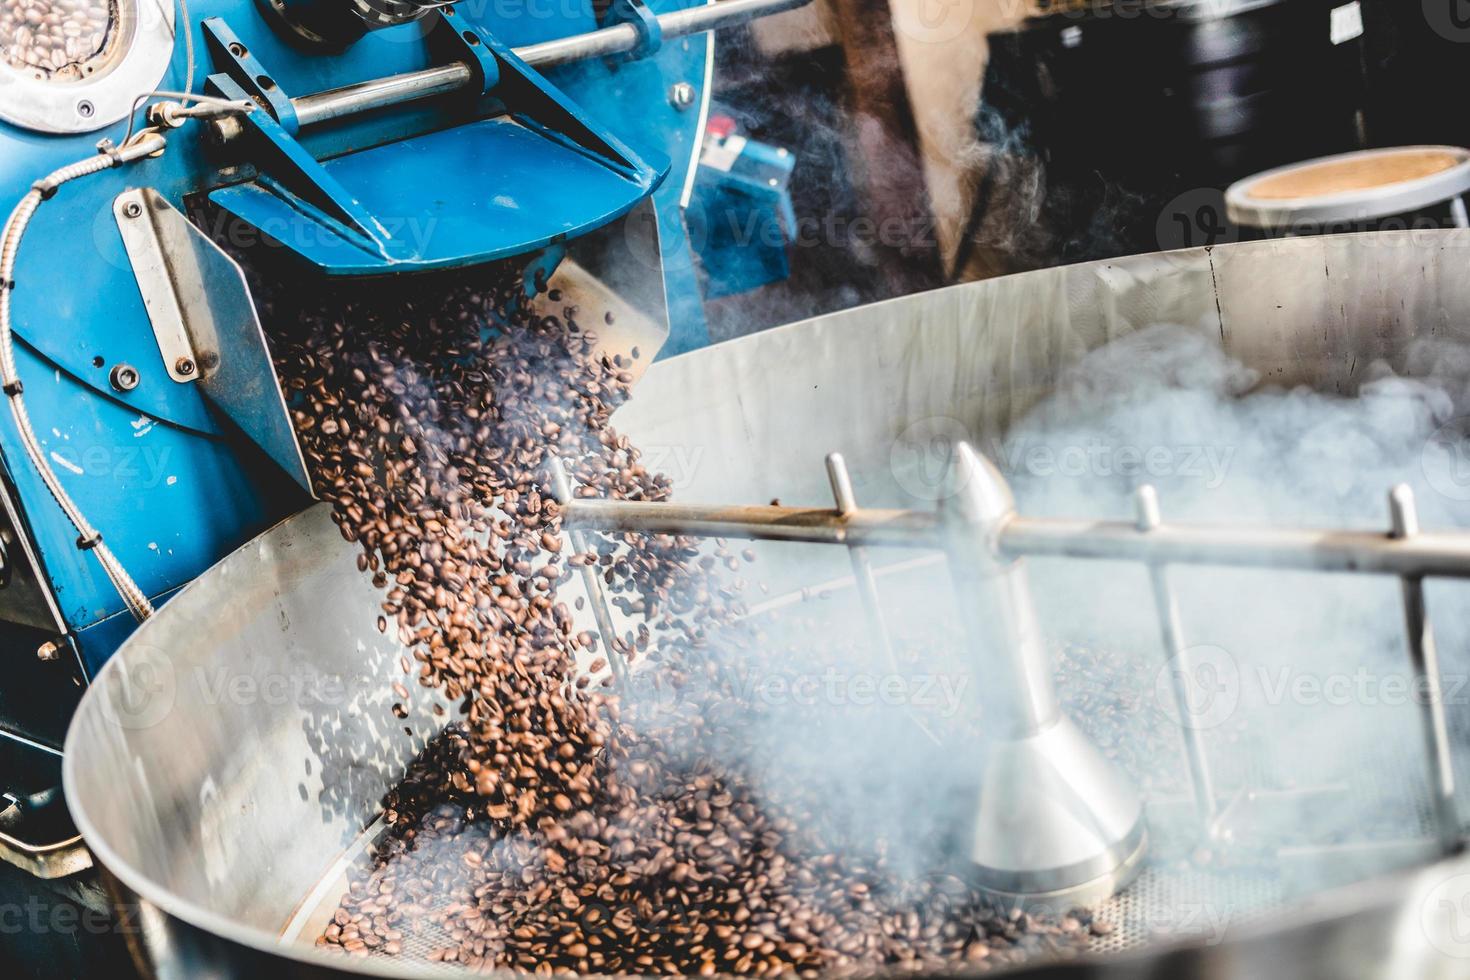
862, 568
394, 90
1424, 657
867, 583
993, 599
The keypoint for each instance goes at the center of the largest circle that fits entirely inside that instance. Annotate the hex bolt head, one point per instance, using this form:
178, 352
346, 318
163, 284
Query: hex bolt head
185, 366
681, 95
124, 377
49, 651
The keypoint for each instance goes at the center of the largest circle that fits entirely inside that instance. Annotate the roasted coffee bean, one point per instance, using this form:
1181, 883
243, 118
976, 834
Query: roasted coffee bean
53, 37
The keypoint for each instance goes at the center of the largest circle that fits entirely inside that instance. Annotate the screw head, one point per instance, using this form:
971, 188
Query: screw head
85, 109
124, 377
132, 209
681, 95
185, 366
49, 651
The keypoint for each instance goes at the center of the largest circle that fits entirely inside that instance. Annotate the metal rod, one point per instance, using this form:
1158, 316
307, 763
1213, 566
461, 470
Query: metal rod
813, 525
1171, 629
561, 485
622, 38
865, 581
394, 90
1424, 555
1424, 657
1437, 554
841, 482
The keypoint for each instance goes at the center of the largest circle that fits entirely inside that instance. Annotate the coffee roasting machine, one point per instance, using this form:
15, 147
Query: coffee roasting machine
1055, 822
147, 435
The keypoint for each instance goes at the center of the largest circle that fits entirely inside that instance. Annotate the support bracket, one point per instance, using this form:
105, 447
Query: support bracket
204, 319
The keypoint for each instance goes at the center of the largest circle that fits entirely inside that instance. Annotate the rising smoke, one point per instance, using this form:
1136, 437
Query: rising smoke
1308, 708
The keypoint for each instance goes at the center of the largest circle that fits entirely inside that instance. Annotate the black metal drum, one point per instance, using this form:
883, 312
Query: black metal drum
1110, 118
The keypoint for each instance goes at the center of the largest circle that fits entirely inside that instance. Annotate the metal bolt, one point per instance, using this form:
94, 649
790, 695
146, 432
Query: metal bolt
681, 95
85, 109
224, 129
124, 377
185, 366
132, 209
49, 651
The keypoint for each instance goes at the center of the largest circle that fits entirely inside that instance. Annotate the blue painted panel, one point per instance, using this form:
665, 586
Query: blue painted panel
168, 501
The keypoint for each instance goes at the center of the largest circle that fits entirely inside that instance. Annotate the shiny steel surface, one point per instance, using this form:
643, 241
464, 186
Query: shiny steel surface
221, 805
1055, 822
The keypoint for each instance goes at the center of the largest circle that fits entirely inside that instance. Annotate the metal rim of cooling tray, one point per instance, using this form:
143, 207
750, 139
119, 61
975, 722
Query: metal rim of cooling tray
138, 64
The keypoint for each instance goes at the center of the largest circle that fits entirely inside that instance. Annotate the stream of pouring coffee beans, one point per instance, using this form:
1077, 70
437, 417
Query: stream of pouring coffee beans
560, 825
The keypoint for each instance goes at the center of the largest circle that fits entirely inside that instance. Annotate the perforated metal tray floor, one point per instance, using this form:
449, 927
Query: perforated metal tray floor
1172, 901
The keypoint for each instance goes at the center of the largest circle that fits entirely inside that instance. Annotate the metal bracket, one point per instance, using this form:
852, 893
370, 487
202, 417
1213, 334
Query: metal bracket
59, 859
300, 173
169, 307
236, 61
204, 320
465, 42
